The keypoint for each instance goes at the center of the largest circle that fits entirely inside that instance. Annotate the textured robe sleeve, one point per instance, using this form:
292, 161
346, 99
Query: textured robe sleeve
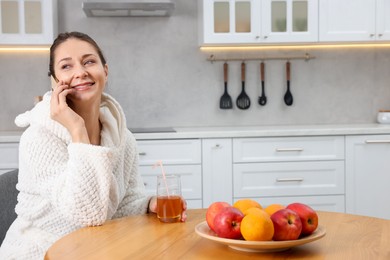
134, 201
77, 179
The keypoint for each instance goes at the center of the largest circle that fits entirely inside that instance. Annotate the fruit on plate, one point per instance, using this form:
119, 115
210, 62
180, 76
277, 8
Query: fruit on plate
227, 223
244, 204
287, 225
308, 216
213, 210
272, 208
257, 226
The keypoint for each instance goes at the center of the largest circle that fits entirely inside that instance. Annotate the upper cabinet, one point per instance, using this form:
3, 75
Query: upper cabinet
293, 21
354, 20
290, 20
255, 21
28, 22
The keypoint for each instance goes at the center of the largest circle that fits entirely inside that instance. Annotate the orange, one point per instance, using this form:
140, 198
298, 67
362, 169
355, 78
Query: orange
253, 210
272, 208
257, 227
244, 204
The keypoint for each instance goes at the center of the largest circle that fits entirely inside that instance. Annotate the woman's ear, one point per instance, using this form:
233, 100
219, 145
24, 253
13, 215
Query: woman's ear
106, 70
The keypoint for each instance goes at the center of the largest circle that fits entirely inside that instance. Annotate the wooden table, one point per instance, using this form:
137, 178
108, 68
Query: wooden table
144, 237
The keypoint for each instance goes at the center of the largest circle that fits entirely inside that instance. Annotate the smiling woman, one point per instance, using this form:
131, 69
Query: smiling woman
78, 163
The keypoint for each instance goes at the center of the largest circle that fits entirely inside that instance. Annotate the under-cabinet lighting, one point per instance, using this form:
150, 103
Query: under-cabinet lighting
296, 47
25, 49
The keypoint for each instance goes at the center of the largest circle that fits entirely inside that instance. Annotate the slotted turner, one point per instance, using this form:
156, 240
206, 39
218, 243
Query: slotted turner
243, 101
226, 101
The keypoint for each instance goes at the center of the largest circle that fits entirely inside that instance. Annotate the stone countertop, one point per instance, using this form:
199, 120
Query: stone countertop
248, 131
268, 131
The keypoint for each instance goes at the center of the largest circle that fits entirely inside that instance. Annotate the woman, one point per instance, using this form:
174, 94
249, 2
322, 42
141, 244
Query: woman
78, 162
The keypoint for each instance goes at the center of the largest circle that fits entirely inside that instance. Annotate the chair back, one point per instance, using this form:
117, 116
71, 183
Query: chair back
8, 200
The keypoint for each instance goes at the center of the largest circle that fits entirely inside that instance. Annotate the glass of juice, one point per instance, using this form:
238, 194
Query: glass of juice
169, 201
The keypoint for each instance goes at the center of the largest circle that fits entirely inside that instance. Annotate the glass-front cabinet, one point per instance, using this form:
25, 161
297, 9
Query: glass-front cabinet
28, 22
228, 21
258, 21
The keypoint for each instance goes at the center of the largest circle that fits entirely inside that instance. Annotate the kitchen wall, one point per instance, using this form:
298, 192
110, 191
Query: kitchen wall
161, 78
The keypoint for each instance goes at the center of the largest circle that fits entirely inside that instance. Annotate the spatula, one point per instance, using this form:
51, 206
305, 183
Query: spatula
263, 97
288, 98
243, 101
226, 101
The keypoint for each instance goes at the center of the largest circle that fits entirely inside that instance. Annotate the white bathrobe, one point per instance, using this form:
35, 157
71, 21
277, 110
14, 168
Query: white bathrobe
65, 186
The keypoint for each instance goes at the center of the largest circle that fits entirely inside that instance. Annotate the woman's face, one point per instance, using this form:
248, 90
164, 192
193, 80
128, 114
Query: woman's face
78, 65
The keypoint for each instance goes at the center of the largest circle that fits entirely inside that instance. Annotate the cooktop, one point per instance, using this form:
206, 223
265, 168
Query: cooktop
152, 130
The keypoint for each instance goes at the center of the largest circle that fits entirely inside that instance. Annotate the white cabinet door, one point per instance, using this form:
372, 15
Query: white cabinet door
347, 20
257, 22
288, 179
285, 149
368, 175
24, 22
383, 20
289, 21
185, 151
217, 170
180, 157
229, 21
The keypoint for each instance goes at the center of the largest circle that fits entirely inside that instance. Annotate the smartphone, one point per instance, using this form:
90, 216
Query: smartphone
53, 82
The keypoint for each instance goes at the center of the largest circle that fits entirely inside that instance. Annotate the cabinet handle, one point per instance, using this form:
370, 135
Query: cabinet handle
142, 153
217, 146
380, 35
289, 179
289, 149
372, 35
377, 141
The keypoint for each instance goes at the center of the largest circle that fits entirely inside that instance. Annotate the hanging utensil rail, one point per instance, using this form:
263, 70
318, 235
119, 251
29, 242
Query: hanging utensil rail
305, 57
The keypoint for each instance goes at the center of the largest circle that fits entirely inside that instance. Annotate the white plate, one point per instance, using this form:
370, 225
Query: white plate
203, 230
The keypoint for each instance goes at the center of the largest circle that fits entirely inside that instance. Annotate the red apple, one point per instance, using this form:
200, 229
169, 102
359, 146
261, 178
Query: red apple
287, 225
308, 216
213, 210
227, 223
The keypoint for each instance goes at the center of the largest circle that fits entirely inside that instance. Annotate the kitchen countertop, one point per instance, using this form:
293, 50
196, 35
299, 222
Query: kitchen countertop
248, 131
267, 131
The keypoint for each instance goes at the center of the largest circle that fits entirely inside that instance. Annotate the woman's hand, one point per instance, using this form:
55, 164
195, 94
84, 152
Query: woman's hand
153, 207
62, 113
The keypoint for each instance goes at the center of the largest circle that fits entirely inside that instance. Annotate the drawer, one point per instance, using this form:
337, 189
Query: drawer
288, 149
9, 155
190, 175
334, 203
186, 151
288, 179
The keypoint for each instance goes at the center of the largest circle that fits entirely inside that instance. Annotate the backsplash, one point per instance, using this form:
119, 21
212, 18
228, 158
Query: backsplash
161, 78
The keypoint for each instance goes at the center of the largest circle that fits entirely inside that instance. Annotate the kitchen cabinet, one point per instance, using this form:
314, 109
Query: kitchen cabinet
257, 22
287, 169
28, 22
354, 20
368, 175
9, 156
217, 170
180, 157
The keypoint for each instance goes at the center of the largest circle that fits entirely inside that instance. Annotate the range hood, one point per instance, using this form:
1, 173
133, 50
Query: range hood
128, 8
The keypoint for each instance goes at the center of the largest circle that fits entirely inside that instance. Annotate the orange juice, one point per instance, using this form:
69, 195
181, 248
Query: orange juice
169, 209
